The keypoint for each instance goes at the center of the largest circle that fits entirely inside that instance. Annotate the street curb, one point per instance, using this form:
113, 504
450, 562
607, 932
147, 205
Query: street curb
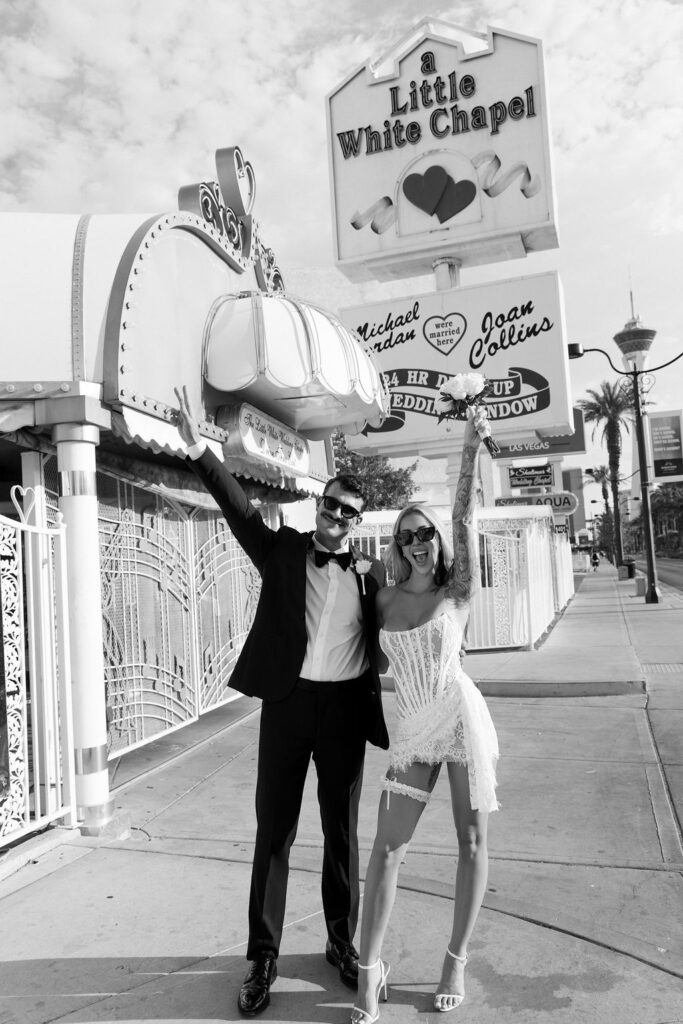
32, 848
536, 688
543, 688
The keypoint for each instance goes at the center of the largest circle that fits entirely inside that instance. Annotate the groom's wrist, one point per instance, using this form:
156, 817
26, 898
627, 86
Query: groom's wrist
195, 451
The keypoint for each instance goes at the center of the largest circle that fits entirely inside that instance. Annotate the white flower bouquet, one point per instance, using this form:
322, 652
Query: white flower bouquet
462, 392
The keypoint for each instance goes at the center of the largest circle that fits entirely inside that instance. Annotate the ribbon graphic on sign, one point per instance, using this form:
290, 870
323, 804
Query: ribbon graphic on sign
436, 193
380, 216
522, 393
493, 185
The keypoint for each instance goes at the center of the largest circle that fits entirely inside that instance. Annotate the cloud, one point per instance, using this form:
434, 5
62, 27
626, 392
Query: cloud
112, 106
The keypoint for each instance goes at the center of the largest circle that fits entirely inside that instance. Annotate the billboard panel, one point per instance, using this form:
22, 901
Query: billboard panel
557, 444
512, 332
530, 476
667, 446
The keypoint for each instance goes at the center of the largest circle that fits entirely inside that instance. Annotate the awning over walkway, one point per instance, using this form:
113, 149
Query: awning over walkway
294, 360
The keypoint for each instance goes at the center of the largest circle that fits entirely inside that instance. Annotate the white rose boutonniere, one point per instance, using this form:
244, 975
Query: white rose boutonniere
362, 566
462, 392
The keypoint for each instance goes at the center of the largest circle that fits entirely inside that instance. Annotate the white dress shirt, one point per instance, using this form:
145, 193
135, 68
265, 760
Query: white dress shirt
334, 623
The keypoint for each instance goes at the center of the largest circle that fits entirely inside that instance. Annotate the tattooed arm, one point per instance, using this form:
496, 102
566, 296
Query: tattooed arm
465, 576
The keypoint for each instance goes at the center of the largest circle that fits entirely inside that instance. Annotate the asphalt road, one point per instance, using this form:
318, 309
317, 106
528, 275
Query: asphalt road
669, 570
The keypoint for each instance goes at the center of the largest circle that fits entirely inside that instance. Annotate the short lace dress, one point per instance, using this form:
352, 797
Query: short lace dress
442, 716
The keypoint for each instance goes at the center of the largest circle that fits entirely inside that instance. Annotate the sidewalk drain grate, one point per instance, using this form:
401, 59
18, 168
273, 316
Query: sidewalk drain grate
676, 667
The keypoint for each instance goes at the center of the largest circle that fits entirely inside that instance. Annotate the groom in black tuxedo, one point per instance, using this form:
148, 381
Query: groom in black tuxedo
312, 658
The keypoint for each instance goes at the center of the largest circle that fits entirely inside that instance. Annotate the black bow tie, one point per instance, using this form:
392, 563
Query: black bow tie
323, 557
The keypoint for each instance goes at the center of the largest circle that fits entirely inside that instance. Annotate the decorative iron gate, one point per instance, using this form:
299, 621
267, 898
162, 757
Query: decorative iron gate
36, 769
178, 597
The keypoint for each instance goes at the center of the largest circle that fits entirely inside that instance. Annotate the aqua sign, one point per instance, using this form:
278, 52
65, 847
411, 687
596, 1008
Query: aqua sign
561, 503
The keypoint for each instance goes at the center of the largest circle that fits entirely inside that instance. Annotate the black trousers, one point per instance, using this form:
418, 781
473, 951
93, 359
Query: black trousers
323, 721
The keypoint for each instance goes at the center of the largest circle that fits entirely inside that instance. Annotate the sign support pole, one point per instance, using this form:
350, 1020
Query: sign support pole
446, 277
446, 273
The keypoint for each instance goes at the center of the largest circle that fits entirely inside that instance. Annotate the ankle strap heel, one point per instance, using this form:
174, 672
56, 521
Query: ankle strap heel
359, 1016
445, 1001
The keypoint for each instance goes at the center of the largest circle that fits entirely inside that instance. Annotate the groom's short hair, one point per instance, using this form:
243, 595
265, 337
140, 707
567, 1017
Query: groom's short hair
350, 484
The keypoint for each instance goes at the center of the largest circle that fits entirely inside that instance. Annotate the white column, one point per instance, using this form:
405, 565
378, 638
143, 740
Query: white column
555, 463
76, 444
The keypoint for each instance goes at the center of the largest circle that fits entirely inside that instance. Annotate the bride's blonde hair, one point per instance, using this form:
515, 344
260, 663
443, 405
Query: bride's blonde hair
399, 567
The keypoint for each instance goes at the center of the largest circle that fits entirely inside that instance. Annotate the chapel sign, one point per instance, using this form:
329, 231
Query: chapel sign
511, 331
450, 155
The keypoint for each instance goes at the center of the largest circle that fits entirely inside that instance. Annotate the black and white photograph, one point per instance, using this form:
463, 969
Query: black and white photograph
341, 511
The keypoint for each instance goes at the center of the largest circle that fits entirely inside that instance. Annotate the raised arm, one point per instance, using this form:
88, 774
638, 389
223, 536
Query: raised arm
465, 580
244, 520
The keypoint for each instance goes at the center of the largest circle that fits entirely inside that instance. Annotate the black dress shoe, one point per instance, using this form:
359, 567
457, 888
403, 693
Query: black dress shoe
255, 992
344, 956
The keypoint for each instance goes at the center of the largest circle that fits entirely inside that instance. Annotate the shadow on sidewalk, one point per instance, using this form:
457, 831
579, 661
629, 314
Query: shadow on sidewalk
167, 988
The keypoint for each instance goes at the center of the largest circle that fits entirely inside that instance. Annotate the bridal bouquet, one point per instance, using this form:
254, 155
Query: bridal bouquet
461, 392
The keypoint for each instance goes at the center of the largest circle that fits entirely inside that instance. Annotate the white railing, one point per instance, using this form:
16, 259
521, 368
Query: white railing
538, 553
36, 744
498, 615
526, 573
178, 598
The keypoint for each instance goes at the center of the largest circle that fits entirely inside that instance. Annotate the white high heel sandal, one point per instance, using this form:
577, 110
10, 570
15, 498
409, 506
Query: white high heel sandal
359, 1016
440, 996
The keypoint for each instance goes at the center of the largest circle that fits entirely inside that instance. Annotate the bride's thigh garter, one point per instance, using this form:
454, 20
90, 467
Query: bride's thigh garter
393, 786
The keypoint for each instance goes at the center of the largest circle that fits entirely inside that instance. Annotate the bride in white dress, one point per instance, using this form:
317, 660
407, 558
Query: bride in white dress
442, 717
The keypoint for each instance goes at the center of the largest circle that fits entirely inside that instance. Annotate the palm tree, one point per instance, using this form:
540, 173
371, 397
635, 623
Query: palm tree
609, 409
601, 475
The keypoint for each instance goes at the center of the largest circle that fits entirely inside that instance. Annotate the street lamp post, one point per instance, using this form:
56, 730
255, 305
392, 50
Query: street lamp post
576, 352
652, 593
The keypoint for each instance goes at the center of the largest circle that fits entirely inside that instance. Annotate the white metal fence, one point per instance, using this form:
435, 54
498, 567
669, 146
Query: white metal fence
526, 574
36, 767
178, 598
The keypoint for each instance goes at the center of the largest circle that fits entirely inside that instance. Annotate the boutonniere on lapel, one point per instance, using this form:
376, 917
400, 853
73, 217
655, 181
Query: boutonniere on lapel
362, 567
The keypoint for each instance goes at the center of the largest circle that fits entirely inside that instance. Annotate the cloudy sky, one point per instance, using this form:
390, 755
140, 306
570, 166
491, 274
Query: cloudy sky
109, 105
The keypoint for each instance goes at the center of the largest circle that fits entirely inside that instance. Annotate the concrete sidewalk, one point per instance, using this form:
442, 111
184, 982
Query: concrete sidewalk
583, 914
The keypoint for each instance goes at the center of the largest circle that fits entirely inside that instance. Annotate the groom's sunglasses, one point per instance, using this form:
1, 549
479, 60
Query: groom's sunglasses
405, 537
347, 511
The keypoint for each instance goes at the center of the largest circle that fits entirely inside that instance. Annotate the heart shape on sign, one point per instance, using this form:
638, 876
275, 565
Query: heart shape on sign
435, 192
456, 196
444, 332
425, 190
236, 179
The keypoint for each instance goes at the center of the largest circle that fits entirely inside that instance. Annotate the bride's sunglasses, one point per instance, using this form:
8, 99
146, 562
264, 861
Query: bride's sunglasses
405, 537
347, 511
